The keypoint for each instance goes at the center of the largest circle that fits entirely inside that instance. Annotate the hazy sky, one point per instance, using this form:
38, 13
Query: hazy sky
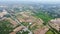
35, 0
30, 0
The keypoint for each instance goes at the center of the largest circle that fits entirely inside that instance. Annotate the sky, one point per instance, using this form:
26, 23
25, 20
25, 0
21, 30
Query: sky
29, 0
35, 0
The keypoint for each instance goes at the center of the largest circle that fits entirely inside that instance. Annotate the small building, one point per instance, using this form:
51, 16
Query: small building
55, 23
4, 12
14, 23
12, 33
41, 30
18, 29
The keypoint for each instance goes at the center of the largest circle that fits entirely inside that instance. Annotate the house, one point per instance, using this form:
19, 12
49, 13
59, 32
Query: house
17, 29
55, 23
14, 23
4, 12
41, 30
12, 33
